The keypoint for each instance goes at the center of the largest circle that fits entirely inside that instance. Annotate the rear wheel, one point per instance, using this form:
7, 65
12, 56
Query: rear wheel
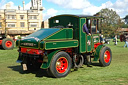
7, 44
105, 56
60, 65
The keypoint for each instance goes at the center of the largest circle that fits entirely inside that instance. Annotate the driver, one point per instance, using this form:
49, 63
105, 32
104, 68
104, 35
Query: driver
85, 29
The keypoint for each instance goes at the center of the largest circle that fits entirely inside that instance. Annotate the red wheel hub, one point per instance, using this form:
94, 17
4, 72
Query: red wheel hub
8, 44
107, 56
61, 65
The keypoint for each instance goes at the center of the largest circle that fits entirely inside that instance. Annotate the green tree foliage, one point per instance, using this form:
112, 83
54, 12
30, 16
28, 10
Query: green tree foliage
125, 25
110, 23
126, 19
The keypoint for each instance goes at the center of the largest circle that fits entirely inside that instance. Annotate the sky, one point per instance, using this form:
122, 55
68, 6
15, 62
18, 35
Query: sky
87, 7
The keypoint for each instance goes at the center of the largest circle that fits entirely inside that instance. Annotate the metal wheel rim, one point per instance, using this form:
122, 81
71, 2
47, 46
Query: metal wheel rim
8, 44
61, 65
107, 56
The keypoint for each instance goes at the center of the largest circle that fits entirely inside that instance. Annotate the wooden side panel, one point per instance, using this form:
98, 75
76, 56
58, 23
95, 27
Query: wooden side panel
61, 44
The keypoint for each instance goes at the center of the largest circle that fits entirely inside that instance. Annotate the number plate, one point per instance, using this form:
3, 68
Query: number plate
24, 67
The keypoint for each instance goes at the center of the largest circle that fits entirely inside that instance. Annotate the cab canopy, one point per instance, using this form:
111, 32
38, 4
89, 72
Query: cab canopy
67, 20
76, 22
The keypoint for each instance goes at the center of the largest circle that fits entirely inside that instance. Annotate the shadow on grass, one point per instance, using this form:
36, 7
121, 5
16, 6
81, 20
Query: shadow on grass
38, 73
96, 64
1, 48
41, 72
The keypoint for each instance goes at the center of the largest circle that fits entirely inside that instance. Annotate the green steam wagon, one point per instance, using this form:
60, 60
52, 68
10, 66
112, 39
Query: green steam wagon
63, 46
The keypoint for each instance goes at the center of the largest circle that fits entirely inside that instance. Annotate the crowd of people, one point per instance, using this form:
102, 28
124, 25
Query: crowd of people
115, 40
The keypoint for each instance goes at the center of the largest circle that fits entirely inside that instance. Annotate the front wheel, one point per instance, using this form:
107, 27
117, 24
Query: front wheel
60, 65
105, 56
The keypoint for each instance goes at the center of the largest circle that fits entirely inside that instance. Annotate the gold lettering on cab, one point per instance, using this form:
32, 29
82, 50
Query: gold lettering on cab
27, 44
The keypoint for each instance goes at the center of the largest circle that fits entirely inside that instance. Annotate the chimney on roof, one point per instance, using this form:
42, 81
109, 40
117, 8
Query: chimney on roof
19, 7
23, 5
8, 5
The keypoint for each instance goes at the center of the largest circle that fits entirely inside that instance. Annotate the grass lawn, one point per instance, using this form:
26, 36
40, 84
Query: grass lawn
116, 74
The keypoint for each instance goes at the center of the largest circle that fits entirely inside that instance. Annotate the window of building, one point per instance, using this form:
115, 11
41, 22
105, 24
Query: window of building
8, 17
33, 17
0, 24
0, 17
33, 25
11, 25
34, 2
11, 17
40, 2
21, 16
30, 17
22, 24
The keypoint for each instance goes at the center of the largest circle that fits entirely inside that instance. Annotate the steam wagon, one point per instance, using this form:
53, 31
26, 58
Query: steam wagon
6, 43
64, 45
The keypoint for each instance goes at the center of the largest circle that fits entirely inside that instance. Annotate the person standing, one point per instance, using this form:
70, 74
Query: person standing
115, 39
126, 41
101, 38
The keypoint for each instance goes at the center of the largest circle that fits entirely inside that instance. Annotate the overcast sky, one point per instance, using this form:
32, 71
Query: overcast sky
87, 7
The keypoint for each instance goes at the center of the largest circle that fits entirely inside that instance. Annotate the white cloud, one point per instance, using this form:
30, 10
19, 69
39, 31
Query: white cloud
72, 4
1, 3
28, 5
91, 10
13, 6
49, 13
120, 6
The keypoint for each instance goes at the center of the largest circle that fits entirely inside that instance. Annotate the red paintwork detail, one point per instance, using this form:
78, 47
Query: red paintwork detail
68, 50
97, 44
107, 56
40, 61
8, 44
0, 42
32, 51
61, 65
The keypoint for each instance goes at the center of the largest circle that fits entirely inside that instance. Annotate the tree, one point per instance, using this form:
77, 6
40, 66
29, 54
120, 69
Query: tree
126, 19
125, 25
110, 23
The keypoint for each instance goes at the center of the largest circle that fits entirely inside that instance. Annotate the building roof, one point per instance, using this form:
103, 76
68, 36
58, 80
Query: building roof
122, 30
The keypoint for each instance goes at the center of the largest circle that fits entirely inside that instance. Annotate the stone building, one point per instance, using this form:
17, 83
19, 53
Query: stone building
21, 21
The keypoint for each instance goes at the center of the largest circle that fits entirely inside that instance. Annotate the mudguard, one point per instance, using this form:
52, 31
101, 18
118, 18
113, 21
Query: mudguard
45, 65
97, 52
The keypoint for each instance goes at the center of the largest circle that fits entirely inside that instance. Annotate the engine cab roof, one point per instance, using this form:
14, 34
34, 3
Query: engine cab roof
78, 16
